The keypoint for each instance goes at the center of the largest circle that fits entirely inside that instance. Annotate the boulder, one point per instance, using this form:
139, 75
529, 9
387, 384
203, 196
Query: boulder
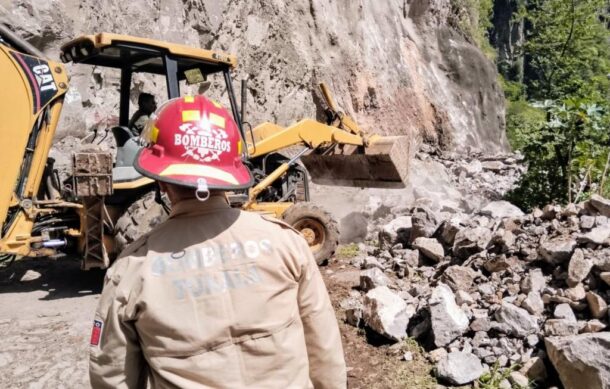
533, 282
587, 222
502, 209
448, 320
424, 223
558, 250
602, 205
593, 326
459, 368
564, 311
560, 327
459, 277
533, 303
430, 248
396, 231
469, 241
386, 313
372, 278
597, 305
582, 361
605, 276
534, 369
518, 379
516, 321
576, 293
448, 230
599, 235
579, 268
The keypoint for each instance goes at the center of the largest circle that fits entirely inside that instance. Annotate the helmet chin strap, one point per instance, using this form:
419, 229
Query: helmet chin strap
202, 192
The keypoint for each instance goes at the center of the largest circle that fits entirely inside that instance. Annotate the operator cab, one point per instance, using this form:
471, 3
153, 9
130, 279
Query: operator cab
132, 55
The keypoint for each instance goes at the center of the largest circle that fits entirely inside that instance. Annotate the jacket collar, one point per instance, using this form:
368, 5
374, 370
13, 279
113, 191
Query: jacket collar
194, 206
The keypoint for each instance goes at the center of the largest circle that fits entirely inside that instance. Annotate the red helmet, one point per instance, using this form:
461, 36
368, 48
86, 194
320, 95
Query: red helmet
193, 138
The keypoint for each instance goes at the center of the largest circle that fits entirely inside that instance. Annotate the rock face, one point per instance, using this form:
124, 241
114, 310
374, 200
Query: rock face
448, 320
459, 368
582, 361
386, 313
399, 67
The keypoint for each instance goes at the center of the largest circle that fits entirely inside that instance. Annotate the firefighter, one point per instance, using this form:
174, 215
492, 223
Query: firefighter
214, 297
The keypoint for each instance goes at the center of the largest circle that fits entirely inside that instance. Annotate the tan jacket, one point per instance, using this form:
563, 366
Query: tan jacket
216, 298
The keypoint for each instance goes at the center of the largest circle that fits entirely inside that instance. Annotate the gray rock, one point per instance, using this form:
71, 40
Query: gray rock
593, 326
502, 241
558, 250
430, 248
597, 305
605, 276
564, 311
582, 361
482, 324
576, 293
602, 259
587, 222
519, 379
601, 204
371, 262
533, 303
463, 297
500, 263
560, 327
437, 354
30, 275
459, 277
502, 209
533, 282
448, 320
599, 235
372, 278
517, 321
469, 241
534, 369
448, 230
386, 313
396, 231
424, 223
459, 368
579, 268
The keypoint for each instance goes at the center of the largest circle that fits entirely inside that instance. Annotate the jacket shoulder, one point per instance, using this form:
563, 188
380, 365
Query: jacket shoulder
279, 222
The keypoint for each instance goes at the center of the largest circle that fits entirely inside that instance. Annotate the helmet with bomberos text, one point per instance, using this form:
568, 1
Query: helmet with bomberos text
192, 140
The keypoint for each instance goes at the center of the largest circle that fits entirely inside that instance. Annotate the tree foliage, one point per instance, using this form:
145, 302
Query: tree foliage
559, 117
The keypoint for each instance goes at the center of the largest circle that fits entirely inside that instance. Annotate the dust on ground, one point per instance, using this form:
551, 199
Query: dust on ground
45, 325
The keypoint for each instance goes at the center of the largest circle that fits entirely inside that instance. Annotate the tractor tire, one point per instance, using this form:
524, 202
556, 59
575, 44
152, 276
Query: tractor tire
317, 227
139, 218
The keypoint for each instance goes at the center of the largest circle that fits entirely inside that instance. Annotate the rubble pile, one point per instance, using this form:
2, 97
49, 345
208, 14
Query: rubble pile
493, 289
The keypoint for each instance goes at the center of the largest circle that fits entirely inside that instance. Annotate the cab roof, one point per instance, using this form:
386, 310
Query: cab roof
142, 55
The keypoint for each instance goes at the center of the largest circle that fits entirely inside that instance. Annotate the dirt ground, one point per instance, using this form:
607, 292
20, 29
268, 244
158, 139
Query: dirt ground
45, 325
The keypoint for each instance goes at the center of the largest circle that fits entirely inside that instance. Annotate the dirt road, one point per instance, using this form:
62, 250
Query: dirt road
45, 324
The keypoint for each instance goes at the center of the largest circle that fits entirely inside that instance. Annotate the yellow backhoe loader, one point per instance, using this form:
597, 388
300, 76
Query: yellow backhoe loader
106, 204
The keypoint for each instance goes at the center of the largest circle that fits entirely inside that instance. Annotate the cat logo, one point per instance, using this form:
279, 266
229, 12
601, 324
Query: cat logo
44, 78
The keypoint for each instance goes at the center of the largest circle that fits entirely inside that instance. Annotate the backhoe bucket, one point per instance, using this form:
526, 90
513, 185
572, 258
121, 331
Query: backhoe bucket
383, 164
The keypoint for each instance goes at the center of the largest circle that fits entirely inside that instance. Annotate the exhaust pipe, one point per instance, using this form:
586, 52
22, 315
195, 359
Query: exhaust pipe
19, 43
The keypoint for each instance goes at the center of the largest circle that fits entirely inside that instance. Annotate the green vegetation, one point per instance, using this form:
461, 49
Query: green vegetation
348, 251
473, 18
494, 377
558, 108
